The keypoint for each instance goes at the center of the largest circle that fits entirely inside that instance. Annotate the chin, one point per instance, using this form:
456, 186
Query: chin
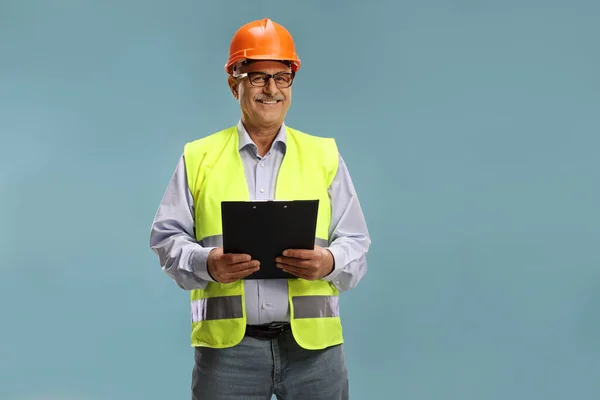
271, 121
271, 117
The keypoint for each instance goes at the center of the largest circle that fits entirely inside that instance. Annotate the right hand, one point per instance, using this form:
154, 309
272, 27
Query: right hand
227, 268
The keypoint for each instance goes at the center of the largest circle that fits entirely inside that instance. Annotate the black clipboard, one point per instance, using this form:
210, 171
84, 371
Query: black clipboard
264, 229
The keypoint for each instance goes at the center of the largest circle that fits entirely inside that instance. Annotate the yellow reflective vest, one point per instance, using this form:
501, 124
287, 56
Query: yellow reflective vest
215, 173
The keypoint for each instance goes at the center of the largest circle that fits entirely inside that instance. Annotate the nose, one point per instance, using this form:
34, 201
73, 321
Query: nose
270, 87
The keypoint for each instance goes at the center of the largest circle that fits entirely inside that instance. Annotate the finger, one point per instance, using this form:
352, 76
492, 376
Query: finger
298, 272
237, 275
299, 253
223, 271
235, 258
298, 262
241, 266
297, 265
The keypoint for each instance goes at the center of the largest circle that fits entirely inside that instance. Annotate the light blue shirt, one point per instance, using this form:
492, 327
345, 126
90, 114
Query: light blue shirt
184, 260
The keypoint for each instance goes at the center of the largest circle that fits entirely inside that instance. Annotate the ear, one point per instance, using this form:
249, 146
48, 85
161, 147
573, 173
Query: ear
233, 85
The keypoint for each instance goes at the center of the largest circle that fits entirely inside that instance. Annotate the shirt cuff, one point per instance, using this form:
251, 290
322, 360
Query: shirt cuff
199, 263
339, 260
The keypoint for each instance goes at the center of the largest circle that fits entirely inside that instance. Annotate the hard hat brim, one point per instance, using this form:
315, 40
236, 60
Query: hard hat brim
235, 61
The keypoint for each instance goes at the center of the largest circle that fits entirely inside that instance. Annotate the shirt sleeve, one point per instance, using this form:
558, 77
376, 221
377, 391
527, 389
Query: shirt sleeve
172, 236
349, 238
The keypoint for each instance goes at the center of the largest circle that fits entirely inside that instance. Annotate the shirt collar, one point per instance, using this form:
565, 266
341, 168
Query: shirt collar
245, 140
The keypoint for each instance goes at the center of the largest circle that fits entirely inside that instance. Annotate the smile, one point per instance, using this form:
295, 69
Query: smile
268, 101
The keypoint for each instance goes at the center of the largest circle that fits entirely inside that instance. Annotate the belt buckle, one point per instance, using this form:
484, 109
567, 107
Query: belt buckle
276, 326
268, 331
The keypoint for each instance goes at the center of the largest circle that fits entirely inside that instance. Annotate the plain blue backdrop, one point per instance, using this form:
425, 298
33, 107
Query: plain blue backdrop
471, 129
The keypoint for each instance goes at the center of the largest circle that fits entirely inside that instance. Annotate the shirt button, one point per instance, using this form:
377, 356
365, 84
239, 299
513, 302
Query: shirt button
337, 282
262, 190
262, 164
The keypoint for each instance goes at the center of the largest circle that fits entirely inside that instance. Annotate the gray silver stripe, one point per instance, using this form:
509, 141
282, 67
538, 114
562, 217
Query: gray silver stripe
321, 242
315, 306
212, 241
212, 308
217, 241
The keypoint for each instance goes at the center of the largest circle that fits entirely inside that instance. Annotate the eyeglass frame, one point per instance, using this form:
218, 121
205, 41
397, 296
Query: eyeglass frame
268, 77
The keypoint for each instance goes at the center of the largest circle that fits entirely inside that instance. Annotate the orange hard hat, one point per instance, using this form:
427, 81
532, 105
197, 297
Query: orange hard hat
262, 40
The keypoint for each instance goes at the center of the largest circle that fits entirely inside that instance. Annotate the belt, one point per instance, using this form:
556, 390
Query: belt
269, 331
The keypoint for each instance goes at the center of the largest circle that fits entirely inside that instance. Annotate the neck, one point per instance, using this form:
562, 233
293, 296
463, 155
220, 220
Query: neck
263, 137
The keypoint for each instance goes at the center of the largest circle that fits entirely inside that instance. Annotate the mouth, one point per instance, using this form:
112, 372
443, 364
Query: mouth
268, 102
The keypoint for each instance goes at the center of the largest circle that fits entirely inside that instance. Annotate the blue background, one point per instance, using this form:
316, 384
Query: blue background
471, 129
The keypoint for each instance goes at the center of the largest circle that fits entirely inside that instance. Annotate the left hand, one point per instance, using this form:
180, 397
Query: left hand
307, 264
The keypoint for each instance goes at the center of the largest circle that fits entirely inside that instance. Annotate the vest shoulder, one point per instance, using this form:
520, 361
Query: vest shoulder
324, 148
312, 138
205, 143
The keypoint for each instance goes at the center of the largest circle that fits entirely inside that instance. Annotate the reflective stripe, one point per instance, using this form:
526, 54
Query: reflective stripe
315, 306
217, 241
321, 242
217, 308
212, 241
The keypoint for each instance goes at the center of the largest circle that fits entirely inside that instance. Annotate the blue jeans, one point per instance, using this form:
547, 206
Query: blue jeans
257, 369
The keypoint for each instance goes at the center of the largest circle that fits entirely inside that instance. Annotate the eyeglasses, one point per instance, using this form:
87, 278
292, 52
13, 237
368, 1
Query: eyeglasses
261, 79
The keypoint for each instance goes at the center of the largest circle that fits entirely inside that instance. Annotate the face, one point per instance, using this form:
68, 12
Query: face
262, 107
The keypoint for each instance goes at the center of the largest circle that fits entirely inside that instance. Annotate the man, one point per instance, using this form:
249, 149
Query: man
256, 338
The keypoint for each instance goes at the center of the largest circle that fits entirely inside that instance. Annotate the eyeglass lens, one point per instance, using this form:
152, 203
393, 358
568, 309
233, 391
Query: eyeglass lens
282, 79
